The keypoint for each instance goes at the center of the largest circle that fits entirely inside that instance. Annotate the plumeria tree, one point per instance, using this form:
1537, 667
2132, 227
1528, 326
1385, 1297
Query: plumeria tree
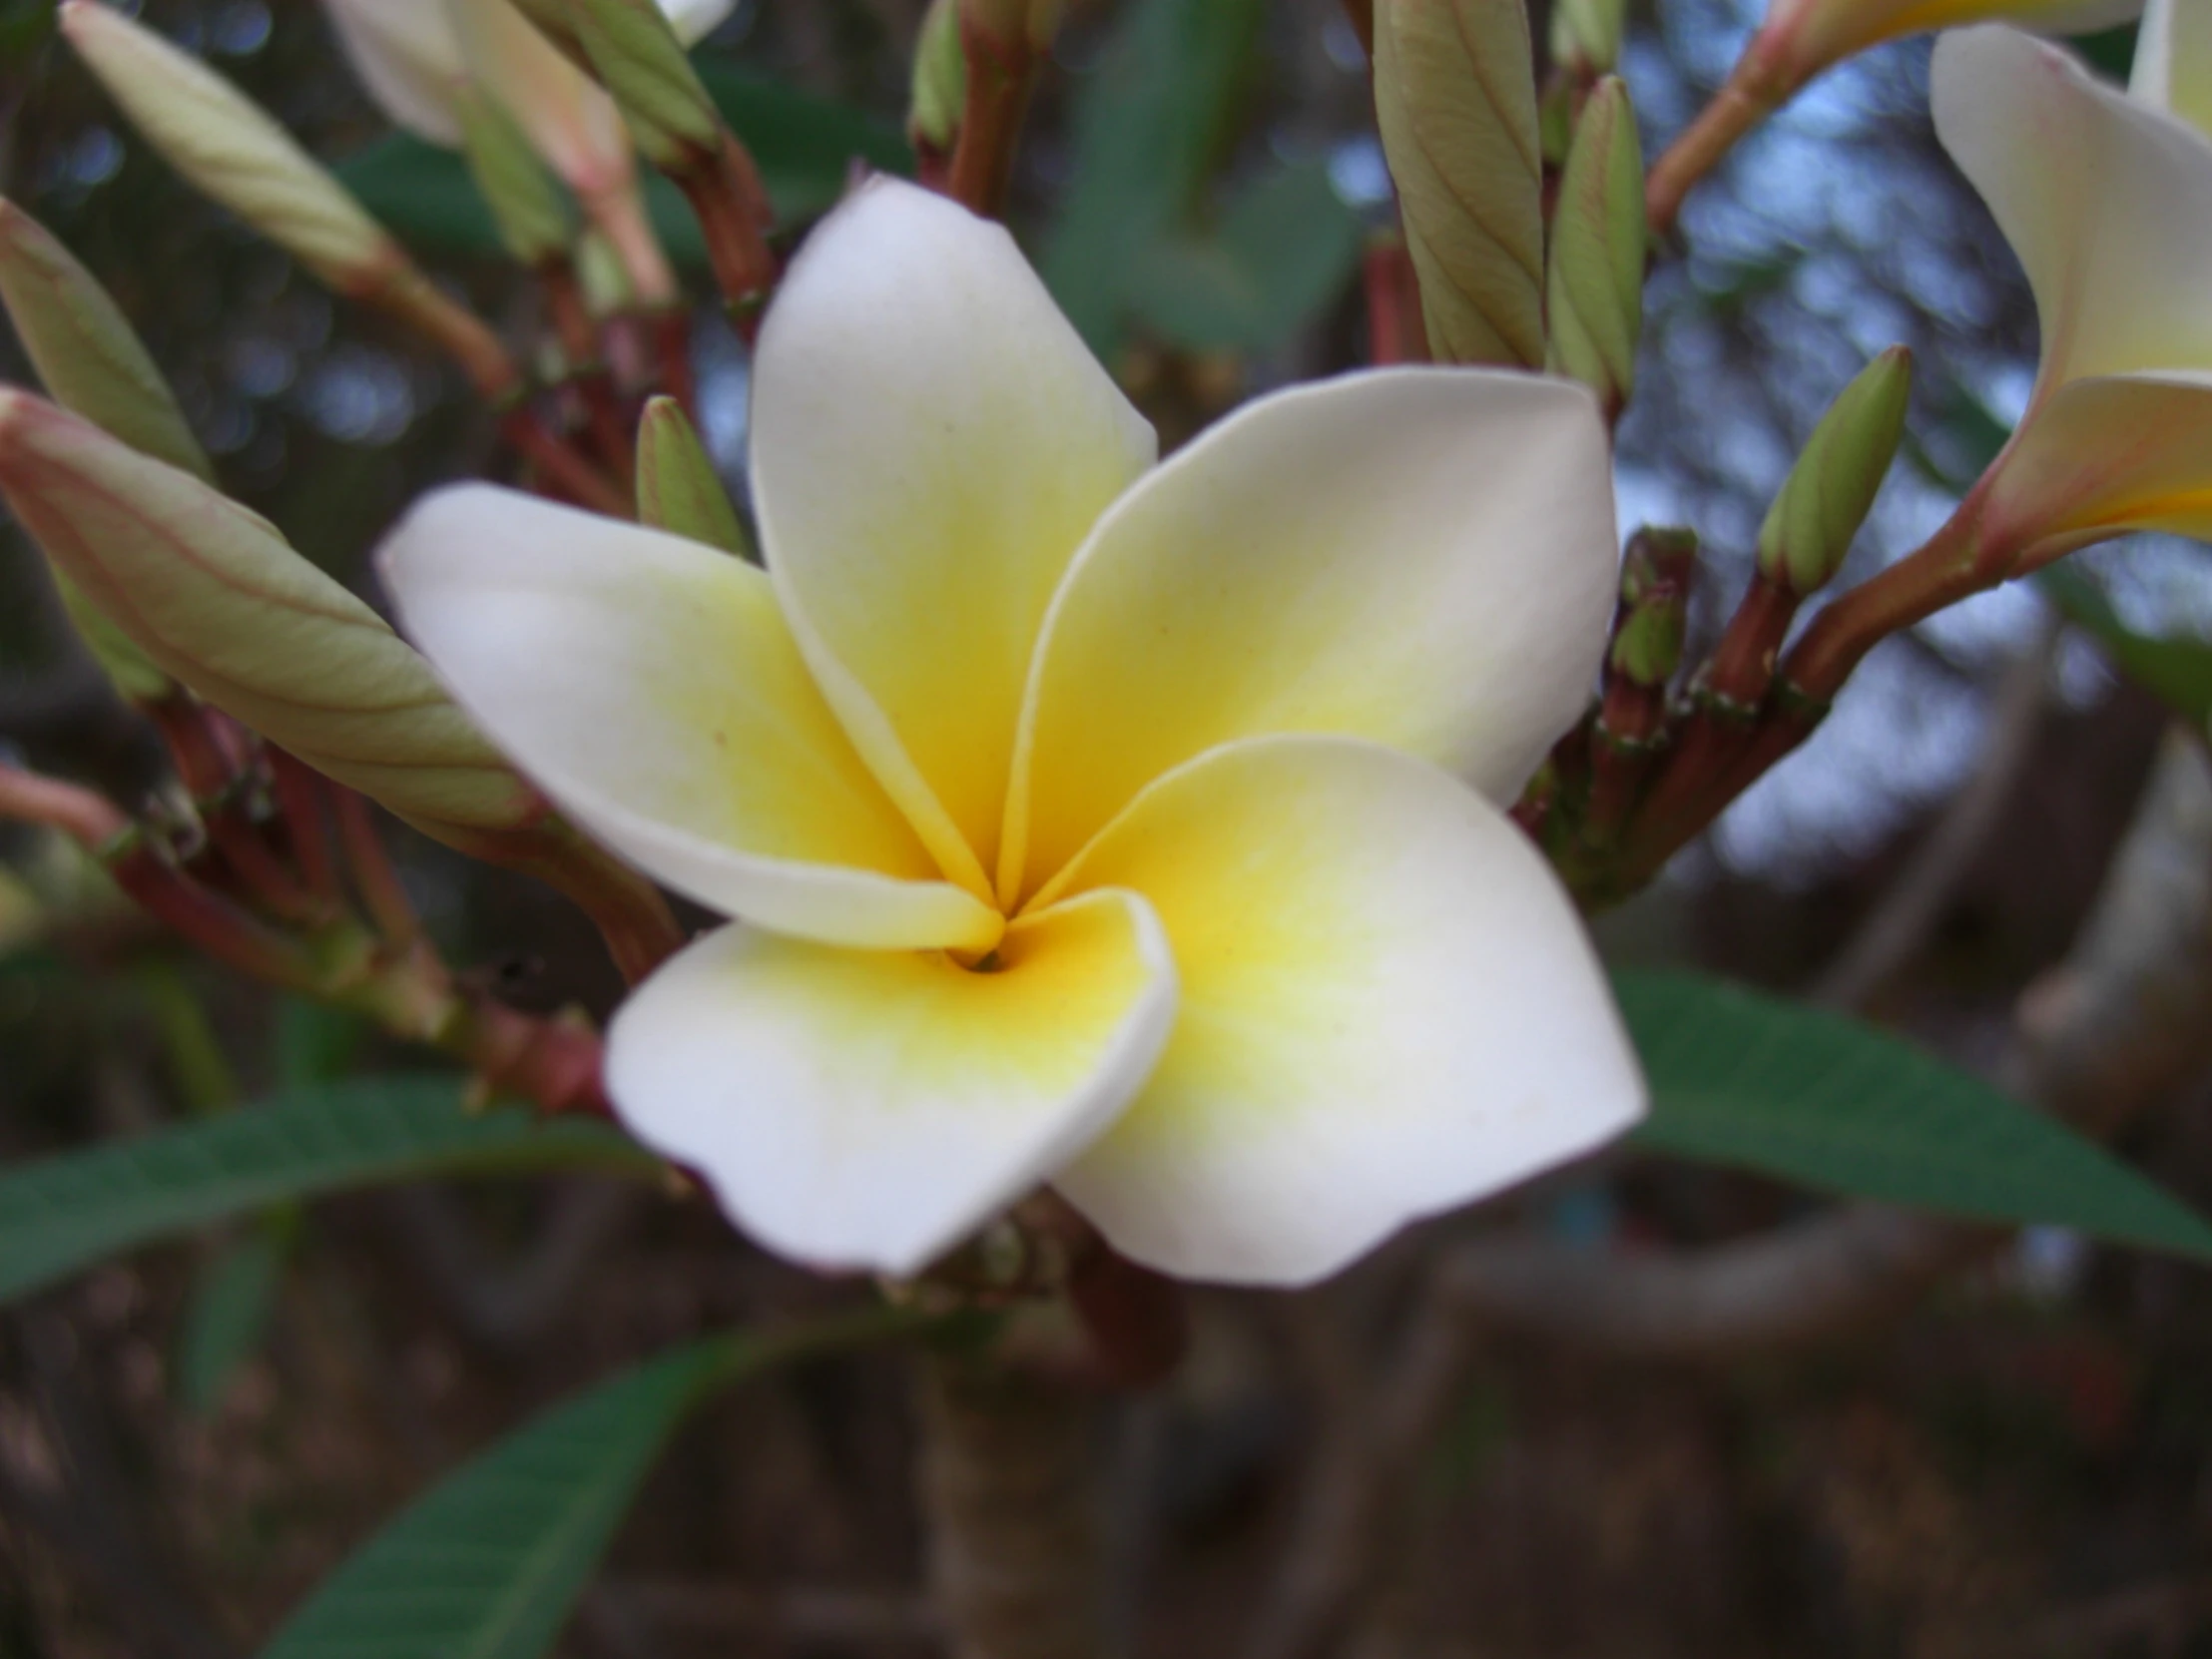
1057, 862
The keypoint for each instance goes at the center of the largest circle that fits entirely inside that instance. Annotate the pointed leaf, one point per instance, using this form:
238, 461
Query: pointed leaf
1746, 1080
489, 1565
66, 1213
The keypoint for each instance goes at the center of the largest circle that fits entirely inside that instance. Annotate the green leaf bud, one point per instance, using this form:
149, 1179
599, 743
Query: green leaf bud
639, 60
214, 597
1830, 490
1587, 36
527, 203
678, 490
1596, 290
1455, 96
939, 80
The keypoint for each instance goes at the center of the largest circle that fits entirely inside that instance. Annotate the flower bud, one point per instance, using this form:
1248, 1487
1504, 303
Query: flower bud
1655, 604
1830, 490
214, 596
638, 58
939, 78
91, 360
678, 490
526, 203
1587, 36
406, 54
1597, 249
1455, 96
230, 150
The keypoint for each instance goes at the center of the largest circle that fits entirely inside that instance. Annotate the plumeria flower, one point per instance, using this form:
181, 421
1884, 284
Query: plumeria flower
1129, 827
2106, 197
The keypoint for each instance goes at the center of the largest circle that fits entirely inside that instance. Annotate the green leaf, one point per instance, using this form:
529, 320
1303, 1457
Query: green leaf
65, 1213
1148, 127
489, 1565
232, 1298
803, 145
1745, 1080
1284, 250
2177, 670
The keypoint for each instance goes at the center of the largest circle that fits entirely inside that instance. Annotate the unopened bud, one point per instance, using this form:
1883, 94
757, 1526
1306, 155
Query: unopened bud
1832, 487
678, 490
1587, 36
638, 58
526, 203
939, 78
93, 361
231, 151
214, 596
405, 54
1597, 286
1655, 603
1455, 96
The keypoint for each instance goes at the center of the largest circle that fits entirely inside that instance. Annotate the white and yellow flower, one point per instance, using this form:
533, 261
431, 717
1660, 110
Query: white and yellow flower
2106, 197
1129, 827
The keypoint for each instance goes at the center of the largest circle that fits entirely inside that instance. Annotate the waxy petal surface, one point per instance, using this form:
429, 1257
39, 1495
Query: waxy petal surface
1390, 1009
931, 443
2106, 201
1422, 557
869, 1109
649, 685
2173, 61
2101, 456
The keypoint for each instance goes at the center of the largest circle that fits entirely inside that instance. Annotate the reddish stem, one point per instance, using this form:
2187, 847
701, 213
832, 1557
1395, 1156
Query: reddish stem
376, 882
734, 214
672, 336
1757, 87
587, 366
999, 75
1396, 332
569, 473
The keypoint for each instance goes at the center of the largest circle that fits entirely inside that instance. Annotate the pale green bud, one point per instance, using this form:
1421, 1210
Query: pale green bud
231, 151
639, 60
678, 490
92, 361
1587, 36
1455, 96
1830, 490
214, 597
1597, 249
1656, 576
228, 147
940, 79
526, 201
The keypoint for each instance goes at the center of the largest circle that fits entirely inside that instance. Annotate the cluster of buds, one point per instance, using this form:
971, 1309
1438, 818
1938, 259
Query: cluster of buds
288, 704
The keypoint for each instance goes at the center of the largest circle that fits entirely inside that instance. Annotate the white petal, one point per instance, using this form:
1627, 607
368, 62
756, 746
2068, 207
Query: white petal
649, 685
867, 1109
2173, 61
931, 443
693, 20
1422, 557
1390, 1009
2106, 201
408, 57
2104, 457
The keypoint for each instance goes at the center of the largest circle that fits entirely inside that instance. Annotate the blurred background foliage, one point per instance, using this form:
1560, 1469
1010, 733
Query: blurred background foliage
191, 1438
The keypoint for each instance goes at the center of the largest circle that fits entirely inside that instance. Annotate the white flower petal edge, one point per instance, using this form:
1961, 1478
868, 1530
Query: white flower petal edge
1421, 557
407, 55
2106, 201
2103, 457
693, 20
931, 443
2173, 60
1390, 1009
649, 685
867, 1110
